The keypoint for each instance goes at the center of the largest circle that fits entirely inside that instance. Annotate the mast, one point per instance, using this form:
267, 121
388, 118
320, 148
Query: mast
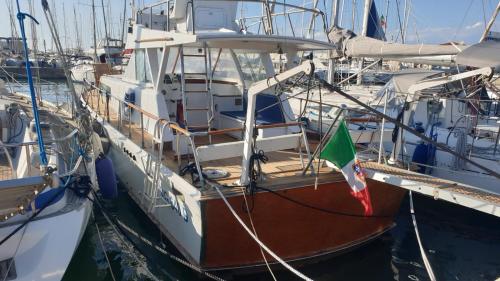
94, 31
406, 19
353, 15
490, 23
105, 32
366, 15
341, 14
124, 26
335, 22
65, 28
78, 38
34, 50
13, 29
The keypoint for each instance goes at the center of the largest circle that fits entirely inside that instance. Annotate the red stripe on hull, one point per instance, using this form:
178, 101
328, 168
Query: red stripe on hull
292, 230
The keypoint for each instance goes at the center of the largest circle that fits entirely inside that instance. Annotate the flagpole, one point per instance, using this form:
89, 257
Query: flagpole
318, 148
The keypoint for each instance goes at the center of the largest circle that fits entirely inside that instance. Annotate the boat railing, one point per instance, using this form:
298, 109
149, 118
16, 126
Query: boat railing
164, 8
27, 148
267, 24
122, 104
94, 100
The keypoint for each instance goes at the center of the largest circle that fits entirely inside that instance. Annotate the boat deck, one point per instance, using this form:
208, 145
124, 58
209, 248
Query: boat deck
283, 170
460, 194
16, 192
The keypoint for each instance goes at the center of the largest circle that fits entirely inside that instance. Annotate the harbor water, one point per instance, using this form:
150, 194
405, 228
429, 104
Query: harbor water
461, 244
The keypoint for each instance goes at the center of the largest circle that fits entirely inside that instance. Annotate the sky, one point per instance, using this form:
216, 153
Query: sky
430, 21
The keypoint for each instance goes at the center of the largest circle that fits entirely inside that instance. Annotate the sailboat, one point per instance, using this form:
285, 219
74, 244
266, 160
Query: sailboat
47, 173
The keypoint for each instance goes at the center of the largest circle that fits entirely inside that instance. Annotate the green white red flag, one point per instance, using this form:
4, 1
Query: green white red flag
341, 152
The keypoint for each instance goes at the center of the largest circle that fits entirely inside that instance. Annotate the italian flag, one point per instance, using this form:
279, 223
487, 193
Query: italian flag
341, 152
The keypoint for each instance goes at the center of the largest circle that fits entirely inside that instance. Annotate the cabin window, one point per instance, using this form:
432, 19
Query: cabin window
142, 70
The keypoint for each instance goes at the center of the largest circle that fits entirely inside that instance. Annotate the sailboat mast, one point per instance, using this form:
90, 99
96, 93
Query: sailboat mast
94, 31
65, 28
78, 39
335, 22
124, 25
105, 31
366, 15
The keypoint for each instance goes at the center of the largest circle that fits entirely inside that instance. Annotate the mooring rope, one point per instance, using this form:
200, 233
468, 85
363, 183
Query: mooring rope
104, 251
119, 228
262, 245
422, 251
165, 252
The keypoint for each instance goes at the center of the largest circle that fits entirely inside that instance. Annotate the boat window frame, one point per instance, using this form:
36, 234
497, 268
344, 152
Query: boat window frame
146, 76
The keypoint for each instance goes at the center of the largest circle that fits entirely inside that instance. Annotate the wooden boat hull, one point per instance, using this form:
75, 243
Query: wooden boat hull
296, 223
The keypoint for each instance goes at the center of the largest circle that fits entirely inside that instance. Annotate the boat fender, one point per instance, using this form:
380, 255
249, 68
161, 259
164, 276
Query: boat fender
106, 177
420, 155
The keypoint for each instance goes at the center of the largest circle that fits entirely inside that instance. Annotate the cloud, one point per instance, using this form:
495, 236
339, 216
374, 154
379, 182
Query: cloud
473, 26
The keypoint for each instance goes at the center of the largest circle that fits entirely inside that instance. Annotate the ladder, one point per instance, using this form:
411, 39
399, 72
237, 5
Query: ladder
189, 96
152, 183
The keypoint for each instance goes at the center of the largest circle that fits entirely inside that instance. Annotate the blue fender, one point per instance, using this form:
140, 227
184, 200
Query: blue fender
106, 177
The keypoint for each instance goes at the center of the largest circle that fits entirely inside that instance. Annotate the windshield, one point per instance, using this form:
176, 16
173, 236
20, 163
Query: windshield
251, 66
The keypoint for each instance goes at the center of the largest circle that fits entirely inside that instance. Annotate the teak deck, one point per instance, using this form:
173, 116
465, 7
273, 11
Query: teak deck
283, 170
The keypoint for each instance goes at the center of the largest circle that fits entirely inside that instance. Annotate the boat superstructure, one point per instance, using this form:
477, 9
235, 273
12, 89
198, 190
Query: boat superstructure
199, 109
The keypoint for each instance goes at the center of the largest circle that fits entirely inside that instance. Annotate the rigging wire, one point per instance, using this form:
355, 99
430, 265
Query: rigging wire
463, 19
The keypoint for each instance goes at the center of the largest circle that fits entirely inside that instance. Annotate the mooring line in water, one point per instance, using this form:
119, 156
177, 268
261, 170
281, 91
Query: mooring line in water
422, 251
119, 228
165, 252
276, 257
116, 229
104, 250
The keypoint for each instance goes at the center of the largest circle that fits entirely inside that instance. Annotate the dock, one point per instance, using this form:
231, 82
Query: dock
453, 192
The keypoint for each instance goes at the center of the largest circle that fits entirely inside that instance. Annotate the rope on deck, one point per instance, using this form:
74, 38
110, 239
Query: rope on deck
262, 245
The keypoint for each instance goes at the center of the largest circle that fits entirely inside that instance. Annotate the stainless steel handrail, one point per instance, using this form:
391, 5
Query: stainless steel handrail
74, 132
